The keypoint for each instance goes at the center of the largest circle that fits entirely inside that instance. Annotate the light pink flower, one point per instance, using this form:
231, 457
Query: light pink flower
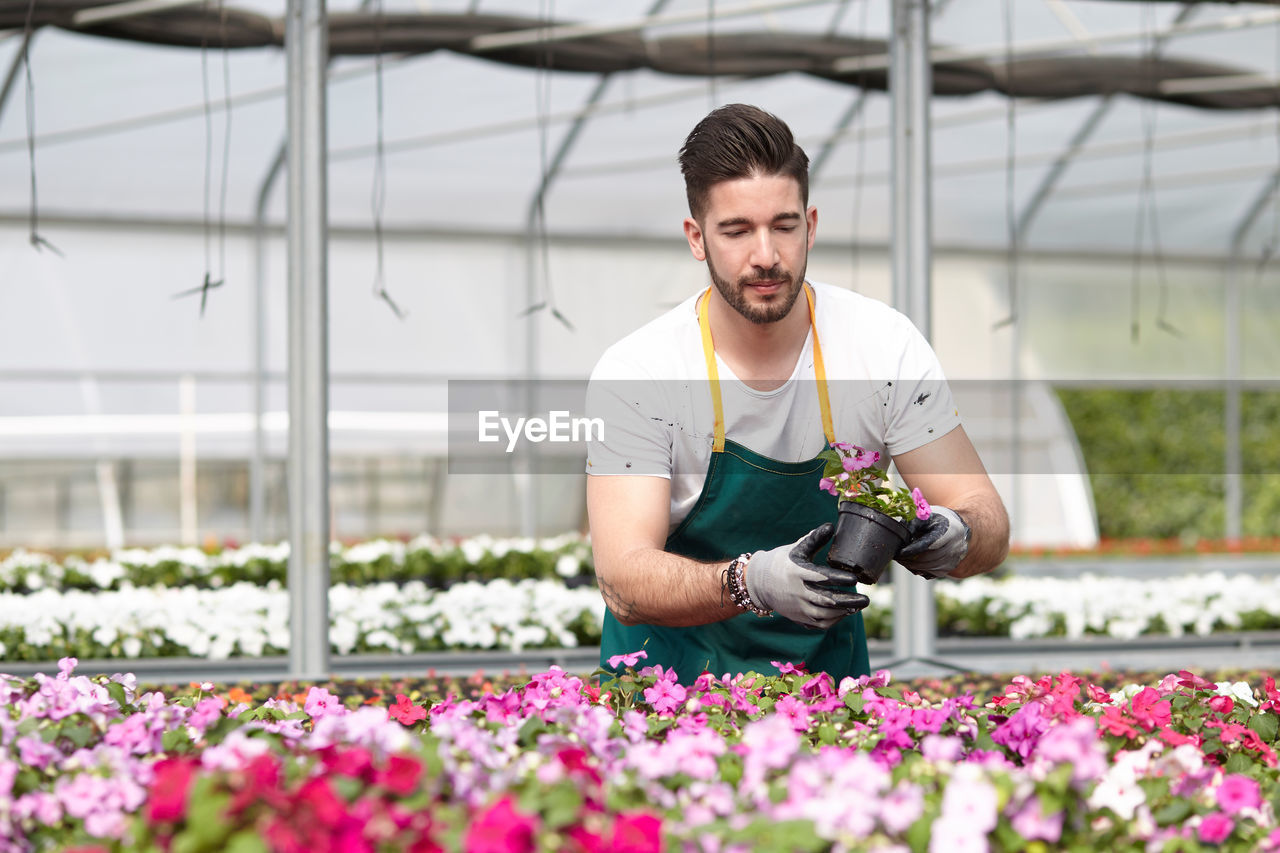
1031, 823
629, 659
321, 703
901, 807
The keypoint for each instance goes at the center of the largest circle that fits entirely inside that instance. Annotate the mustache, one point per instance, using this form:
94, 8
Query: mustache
774, 274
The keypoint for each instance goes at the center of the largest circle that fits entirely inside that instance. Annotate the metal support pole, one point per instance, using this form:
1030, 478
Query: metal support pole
258, 322
1234, 462
911, 86
306, 44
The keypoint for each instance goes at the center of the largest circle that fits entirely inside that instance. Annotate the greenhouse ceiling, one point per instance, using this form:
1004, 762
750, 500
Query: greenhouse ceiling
1099, 126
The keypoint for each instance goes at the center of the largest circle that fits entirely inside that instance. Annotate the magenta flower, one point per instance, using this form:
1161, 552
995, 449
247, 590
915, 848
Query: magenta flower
665, 696
167, 799
785, 668
922, 506
1237, 793
1222, 704
828, 485
502, 829
794, 711
1215, 828
630, 659
859, 462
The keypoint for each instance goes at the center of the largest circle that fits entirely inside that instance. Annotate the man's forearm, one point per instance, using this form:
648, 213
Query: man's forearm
989, 544
654, 587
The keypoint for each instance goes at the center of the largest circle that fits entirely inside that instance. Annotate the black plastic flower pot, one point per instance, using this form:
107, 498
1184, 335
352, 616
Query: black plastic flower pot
865, 541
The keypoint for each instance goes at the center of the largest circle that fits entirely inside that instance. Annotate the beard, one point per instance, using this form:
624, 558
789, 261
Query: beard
776, 306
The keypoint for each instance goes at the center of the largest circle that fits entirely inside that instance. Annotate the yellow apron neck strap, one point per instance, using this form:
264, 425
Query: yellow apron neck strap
713, 374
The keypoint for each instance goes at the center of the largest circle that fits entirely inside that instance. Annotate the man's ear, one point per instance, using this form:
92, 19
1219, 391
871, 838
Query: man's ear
693, 233
811, 219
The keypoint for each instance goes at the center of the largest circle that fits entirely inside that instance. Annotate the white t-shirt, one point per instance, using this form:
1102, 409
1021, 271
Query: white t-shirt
887, 392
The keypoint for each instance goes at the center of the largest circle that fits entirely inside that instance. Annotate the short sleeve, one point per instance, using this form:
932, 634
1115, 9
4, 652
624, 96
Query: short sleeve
636, 436
921, 407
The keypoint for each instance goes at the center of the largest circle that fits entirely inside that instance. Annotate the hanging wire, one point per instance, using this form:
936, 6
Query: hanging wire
860, 157
711, 54
378, 200
542, 98
1272, 244
838, 16
1013, 238
1147, 208
33, 217
226, 141
209, 283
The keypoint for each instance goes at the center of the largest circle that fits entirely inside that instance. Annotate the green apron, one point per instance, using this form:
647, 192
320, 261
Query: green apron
748, 503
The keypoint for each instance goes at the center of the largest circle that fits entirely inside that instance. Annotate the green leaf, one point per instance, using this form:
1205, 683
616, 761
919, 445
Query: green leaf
175, 740
1238, 763
827, 733
529, 732
1174, 813
561, 806
246, 841
116, 691
79, 733
919, 833
854, 701
1265, 725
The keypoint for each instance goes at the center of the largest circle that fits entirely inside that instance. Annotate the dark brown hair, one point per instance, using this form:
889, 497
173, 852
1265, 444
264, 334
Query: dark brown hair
738, 141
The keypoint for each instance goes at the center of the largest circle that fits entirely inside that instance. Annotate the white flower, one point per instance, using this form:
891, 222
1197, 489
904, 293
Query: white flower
1239, 690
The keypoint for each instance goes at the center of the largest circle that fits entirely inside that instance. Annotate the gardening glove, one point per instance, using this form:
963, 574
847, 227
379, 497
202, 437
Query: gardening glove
937, 545
786, 580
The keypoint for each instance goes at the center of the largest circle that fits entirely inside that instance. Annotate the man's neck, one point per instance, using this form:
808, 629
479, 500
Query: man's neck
762, 355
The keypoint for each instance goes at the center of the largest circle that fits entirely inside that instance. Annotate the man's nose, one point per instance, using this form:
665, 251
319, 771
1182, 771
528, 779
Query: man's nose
764, 253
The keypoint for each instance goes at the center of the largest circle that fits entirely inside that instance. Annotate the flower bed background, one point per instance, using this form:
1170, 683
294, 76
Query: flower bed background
427, 595
784, 761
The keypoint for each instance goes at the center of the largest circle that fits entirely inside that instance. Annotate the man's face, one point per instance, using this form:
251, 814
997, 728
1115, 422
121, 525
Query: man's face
755, 236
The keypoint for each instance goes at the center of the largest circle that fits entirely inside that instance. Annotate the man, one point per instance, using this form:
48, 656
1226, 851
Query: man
703, 493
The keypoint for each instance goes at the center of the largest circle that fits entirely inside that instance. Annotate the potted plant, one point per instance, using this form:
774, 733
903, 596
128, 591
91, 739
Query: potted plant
873, 515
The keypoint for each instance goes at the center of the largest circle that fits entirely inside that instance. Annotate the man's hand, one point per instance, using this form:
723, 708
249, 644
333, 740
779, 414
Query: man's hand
937, 544
786, 580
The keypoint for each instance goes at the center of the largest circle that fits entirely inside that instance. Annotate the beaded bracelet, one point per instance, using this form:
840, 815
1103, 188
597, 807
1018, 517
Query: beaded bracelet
734, 580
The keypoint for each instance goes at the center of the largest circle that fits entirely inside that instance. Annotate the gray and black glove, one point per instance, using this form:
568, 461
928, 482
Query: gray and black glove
786, 580
937, 545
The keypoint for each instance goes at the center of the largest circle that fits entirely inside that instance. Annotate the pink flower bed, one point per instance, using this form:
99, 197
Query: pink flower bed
788, 761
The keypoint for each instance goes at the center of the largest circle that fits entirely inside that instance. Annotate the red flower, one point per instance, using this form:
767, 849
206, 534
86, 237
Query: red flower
501, 829
637, 833
1189, 679
261, 780
317, 795
1114, 721
1176, 738
401, 775
1222, 704
1097, 694
1149, 711
355, 762
407, 712
167, 799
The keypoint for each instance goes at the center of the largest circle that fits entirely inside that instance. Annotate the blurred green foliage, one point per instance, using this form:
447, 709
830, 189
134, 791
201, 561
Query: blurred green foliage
1156, 460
